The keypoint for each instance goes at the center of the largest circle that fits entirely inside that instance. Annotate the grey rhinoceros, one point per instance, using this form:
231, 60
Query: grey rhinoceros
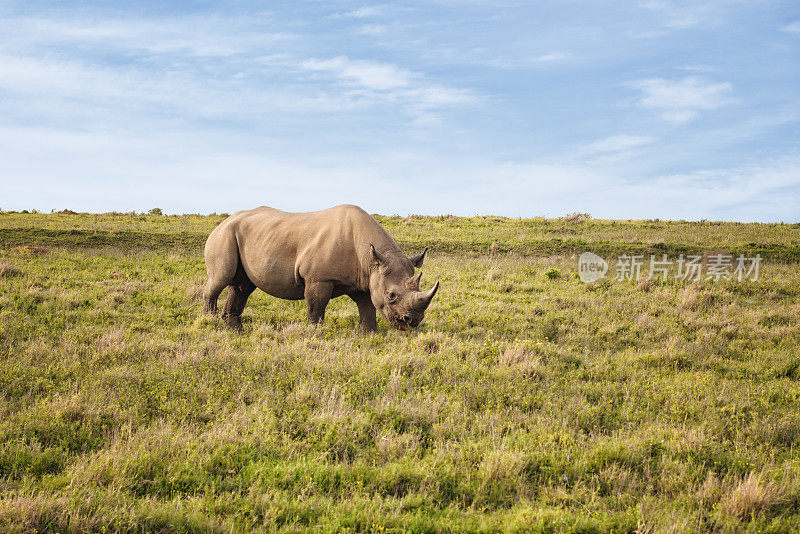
314, 256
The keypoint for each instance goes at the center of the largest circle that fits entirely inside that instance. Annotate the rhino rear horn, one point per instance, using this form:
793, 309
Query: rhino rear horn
413, 282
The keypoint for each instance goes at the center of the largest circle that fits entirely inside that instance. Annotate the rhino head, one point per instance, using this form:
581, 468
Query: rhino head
394, 288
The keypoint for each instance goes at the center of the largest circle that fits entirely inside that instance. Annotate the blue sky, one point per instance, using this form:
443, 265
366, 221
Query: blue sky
652, 109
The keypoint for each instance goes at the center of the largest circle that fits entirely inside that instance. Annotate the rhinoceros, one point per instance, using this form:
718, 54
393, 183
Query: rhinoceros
314, 256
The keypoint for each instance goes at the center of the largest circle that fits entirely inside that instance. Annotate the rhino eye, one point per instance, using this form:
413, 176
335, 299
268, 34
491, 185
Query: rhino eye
392, 296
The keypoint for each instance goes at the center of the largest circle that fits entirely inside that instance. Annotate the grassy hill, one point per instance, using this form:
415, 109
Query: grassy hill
527, 401
444, 234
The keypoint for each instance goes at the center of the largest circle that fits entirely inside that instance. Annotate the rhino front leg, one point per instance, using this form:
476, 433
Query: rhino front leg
366, 311
317, 295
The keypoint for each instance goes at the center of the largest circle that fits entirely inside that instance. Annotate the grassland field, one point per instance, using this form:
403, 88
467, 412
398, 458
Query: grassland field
527, 401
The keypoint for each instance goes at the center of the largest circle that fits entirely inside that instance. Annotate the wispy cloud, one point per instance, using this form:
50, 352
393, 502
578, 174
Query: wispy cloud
618, 143
207, 36
363, 12
794, 27
86, 94
369, 74
389, 84
768, 191
551, 57
683, 15
372, 29
680, 101
510, 62
682, 22
698, 68
202, 68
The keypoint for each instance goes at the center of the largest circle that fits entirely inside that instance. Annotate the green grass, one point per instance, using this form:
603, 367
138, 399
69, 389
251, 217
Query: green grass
527, 401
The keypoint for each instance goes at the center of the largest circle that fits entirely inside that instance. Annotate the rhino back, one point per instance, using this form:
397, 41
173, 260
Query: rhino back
280, 251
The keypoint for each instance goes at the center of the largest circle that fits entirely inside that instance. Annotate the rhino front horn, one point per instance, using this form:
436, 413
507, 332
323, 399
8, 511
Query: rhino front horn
426, 296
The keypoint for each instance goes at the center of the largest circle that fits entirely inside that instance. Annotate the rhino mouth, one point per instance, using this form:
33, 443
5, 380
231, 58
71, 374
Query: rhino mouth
404, 323
400, 324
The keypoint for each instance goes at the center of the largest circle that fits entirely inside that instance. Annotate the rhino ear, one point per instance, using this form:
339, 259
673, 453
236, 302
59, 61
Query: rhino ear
377, 256
419, 258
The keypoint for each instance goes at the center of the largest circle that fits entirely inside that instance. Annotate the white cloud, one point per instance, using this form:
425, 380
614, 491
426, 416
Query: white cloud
673, 16
794, 27
676, 15
201, 69
384, 83
647, 34
682, 22
37, 75
654, 4
768, 191
619, 143
372, 29
363, 12
433, 96
79, 92
698, 68
552, 57
369, 74
195, 36
481, 57
680, 101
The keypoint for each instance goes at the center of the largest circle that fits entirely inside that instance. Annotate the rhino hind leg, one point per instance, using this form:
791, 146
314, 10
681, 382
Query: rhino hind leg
211, 293
238, 292
222, 264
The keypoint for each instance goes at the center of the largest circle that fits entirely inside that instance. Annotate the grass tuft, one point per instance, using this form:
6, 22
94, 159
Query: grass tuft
753, 496
7, 270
